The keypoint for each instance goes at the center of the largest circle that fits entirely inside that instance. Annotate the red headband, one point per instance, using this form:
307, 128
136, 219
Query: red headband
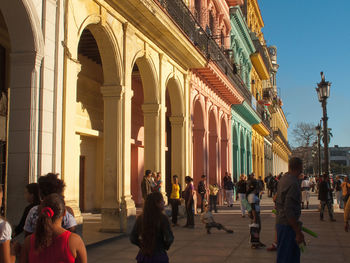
48, 210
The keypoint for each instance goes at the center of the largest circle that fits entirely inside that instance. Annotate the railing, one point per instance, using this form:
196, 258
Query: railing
278, 132
184, 18
264, 117
260, 48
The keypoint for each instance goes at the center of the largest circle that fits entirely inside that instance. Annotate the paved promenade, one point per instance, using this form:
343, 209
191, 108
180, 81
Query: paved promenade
332, 245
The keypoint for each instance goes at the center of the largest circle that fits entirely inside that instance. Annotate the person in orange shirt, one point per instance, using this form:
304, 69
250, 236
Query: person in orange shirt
345, 186
346, 215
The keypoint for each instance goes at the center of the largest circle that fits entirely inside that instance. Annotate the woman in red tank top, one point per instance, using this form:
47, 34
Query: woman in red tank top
51, 243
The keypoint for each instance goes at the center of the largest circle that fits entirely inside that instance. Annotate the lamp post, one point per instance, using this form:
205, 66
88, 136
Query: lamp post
323, 90
318, 132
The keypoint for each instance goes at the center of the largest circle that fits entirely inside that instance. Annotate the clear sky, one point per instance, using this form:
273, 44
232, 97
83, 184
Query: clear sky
311, 36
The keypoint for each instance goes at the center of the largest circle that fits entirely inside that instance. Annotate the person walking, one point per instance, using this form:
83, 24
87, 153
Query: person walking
345, 186
267, 180
241, 190
305, 192
213, 197
338, 192
146, 184
288, 206
326, 198
175, 199
202, 190
189, 202
228, 186
152, 232
51, 242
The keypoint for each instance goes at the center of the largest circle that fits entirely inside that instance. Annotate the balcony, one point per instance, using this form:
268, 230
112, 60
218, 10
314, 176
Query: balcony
265, 118
278, 132
187, 22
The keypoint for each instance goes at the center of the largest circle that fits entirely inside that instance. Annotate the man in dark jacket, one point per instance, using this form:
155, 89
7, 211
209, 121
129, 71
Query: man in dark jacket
202, 190
325, 195
146, 186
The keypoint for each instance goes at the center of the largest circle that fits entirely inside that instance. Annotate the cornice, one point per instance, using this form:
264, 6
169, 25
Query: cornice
247, 113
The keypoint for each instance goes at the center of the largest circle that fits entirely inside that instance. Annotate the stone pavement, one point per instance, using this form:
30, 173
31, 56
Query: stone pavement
332, 245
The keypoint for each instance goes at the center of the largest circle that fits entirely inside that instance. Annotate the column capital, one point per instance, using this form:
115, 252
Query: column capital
151, 109
112, 90
177, 120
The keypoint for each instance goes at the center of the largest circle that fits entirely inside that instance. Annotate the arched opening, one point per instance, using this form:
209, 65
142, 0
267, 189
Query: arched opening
224, 144
144, 125
5, 48
213, 149
89, 119
249, 156
235, 154
243, 153
198, 142
174, 133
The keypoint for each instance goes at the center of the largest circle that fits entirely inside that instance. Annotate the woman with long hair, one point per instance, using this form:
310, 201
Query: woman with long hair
152, 232
51, 242
5, 237
31, 194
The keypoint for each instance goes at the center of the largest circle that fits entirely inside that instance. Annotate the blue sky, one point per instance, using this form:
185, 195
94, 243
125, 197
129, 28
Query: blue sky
311, 36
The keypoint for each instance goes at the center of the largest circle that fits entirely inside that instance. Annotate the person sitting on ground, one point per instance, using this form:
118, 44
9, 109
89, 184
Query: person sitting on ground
208, 219
152, 232
213, 197
6, 255
32, 196
51, 242
50, 184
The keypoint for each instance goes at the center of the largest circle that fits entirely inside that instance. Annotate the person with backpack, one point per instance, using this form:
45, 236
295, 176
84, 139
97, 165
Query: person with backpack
202, 190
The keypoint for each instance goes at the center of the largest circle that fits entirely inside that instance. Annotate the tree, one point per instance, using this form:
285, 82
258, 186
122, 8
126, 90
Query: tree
304, 133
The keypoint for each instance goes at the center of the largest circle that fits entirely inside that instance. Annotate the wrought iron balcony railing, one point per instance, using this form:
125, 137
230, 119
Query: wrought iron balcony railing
278, 132
264, 117
184, 18
263, 52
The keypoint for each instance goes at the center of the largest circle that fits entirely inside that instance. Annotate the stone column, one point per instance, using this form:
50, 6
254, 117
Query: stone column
70, 154
151, 114
111, 208
177, 146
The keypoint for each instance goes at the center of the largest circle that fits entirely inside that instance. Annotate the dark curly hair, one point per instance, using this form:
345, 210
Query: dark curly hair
33, 189
50, 184
43, 231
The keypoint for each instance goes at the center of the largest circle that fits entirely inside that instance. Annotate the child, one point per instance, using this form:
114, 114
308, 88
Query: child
208, 219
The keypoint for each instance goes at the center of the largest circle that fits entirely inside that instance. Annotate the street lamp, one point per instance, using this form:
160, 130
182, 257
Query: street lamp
323, 91
318, 132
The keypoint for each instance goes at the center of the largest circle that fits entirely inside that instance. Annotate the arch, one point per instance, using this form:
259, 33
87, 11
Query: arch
176, 96
148, 77
198, 141
174, 132
213, 147
224, 147
27, 50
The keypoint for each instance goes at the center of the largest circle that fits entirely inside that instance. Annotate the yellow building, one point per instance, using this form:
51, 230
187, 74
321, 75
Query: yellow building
126, 104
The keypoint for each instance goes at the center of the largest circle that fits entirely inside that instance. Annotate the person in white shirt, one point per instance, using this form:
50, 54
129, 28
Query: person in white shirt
305, 192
